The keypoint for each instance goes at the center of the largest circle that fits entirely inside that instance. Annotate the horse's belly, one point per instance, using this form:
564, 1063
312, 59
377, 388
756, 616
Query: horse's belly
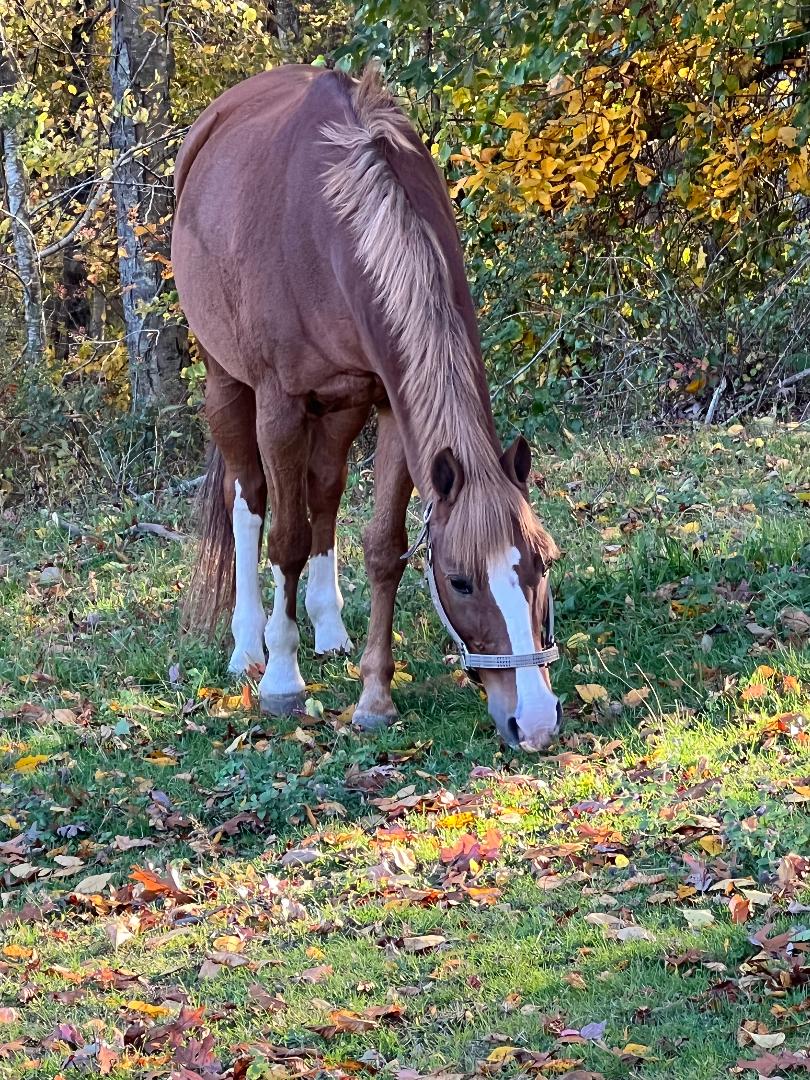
346, 391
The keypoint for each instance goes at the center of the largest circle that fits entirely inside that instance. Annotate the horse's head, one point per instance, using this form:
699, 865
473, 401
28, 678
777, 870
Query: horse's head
502, 611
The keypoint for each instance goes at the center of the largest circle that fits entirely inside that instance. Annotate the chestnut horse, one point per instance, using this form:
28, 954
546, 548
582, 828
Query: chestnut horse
318, 264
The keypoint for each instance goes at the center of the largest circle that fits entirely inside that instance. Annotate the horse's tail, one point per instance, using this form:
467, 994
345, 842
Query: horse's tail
212, 588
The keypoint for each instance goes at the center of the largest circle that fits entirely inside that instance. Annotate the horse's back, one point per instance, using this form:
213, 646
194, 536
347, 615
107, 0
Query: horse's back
251, 227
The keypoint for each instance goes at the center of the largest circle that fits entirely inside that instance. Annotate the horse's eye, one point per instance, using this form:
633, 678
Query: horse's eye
461, 585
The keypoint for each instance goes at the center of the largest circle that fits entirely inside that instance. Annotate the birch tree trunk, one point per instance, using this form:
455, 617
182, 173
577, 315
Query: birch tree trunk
140, 69
25, 249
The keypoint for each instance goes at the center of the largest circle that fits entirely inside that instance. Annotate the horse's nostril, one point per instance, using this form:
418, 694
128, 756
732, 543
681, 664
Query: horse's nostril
513, 731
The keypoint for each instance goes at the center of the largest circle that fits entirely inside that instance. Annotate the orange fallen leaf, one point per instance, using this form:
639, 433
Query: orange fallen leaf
754, 692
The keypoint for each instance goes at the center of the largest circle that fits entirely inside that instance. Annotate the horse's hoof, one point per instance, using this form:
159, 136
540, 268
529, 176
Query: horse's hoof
341, 648
368, 721
281, 704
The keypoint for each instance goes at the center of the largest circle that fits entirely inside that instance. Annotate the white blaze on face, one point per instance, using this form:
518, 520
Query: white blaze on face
248, 619
281, 676
536, 705
324, 604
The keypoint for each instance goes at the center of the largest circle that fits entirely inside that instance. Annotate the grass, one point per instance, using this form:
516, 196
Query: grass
444, 878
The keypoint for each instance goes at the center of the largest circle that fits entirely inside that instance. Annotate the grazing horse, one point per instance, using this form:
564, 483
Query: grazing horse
319, 266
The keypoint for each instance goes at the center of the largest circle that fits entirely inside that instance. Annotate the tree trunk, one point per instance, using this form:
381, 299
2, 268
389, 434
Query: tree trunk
25, 248
141, 66
285, 21
70, 318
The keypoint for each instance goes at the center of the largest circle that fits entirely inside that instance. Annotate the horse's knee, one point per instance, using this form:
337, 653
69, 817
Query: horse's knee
290, 549
383, 554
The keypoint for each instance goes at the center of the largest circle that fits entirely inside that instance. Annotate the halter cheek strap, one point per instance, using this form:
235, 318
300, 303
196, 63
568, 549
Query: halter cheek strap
503, 661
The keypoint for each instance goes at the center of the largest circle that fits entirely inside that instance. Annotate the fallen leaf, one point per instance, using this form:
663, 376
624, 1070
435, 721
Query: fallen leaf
632, 933
768, 1064
712, 844
65, 716
501, 1054
754, 692
260, 997
591, 692
229, 943
697, 918
17, 952
92, 885
146, 1009
299, 857
767, 1042
316, 974
128, 843
795, 621
422, 943
30, 763
740, 908
633, 698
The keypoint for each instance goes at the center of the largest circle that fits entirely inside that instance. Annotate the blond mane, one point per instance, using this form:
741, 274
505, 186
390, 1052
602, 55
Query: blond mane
408, 270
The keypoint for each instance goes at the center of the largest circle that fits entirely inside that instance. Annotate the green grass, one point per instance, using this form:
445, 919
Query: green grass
648, 812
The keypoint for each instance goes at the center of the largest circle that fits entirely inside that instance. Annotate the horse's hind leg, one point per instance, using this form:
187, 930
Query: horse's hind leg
231, 411
283, 435
333, 434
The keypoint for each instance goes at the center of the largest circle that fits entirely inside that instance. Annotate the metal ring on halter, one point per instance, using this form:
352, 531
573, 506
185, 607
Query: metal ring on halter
474, 661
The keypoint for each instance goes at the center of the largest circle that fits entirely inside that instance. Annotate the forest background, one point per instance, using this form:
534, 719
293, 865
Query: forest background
632, 184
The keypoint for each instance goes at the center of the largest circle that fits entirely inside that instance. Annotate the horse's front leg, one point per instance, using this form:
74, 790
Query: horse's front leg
283, 437
385, 540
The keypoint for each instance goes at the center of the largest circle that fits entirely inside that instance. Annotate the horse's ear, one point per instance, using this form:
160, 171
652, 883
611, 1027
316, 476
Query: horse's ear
516, 462
447, 476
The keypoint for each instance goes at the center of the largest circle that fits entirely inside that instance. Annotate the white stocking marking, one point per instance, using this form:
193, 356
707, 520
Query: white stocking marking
281, 676
536, 707
324, 604
248, 619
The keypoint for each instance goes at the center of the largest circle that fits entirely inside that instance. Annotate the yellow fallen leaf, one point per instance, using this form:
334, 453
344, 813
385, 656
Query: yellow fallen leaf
157, 757
621, 861
690, 527
209, 692
802, 496
146, 1009
352, 670
31, 762
501, 1054
712, 844
638, 1049
229, 943
591, 692
401, 678
455, 821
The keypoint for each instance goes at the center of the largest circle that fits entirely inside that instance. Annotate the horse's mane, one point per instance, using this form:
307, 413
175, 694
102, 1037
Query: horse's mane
412, 282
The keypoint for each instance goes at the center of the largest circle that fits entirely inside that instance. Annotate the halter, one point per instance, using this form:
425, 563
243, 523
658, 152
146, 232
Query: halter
467, 659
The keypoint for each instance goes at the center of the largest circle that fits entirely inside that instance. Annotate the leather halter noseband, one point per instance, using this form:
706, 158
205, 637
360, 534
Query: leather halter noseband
546, 656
